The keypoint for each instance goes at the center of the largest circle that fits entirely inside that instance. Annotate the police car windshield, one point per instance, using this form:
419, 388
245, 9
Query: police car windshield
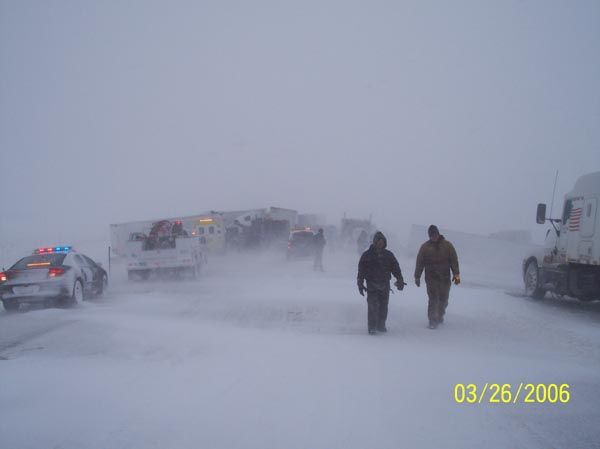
39, 261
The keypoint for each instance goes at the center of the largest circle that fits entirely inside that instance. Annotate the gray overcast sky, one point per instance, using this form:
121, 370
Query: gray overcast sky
456, 113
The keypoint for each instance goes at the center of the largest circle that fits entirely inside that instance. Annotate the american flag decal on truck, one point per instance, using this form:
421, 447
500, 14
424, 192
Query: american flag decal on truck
575, 219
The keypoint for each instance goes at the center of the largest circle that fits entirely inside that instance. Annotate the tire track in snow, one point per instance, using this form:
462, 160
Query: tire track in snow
6, 347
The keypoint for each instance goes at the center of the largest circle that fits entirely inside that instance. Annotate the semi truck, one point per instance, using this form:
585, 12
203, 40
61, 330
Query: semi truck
569, 262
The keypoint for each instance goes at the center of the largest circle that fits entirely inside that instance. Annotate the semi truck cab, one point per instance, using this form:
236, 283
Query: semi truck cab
569, 263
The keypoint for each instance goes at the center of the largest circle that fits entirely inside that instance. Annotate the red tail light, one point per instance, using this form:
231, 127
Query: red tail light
3, 276
55, 271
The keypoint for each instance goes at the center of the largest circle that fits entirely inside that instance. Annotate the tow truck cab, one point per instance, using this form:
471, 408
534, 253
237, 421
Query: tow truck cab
569, 263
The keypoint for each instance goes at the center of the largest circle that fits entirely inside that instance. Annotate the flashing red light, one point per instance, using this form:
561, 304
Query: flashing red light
3, 276
55, 272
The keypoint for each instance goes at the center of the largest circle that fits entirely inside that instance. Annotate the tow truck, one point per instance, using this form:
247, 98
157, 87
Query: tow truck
167, 251
569, 262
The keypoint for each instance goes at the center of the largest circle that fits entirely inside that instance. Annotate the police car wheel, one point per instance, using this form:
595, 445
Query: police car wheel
77, 297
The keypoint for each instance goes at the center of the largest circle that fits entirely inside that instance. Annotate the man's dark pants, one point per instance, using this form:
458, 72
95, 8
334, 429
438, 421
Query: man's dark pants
378, 298
438, 291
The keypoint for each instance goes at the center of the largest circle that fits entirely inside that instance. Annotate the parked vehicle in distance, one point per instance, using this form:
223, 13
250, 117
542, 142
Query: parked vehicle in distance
53, 276
301, 244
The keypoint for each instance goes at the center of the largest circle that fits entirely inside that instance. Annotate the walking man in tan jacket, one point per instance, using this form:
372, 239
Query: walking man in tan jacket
438, 258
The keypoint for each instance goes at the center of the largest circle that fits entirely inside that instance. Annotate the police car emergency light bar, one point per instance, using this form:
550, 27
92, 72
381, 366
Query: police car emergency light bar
56, 249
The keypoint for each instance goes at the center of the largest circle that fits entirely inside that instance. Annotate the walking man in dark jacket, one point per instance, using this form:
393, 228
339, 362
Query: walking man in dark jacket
319, 245
438, 257
376, 266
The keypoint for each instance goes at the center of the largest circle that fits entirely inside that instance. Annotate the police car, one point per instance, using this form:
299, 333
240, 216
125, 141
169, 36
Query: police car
53, 276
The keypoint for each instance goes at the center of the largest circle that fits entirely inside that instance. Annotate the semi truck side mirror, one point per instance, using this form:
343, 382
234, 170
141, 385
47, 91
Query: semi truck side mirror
541, 214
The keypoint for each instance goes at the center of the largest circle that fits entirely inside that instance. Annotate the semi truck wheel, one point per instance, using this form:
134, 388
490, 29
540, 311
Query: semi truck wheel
532, 281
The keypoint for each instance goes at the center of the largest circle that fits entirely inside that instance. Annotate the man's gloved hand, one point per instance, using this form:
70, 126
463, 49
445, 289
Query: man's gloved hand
418, 282
361, 288
400, 284
456, 279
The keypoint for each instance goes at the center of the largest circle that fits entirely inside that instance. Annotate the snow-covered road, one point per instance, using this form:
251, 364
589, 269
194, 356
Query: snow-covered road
263, 354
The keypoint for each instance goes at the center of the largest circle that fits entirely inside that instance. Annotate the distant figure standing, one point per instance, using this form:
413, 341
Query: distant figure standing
438, 257
319, 244
376, 266
362, 243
